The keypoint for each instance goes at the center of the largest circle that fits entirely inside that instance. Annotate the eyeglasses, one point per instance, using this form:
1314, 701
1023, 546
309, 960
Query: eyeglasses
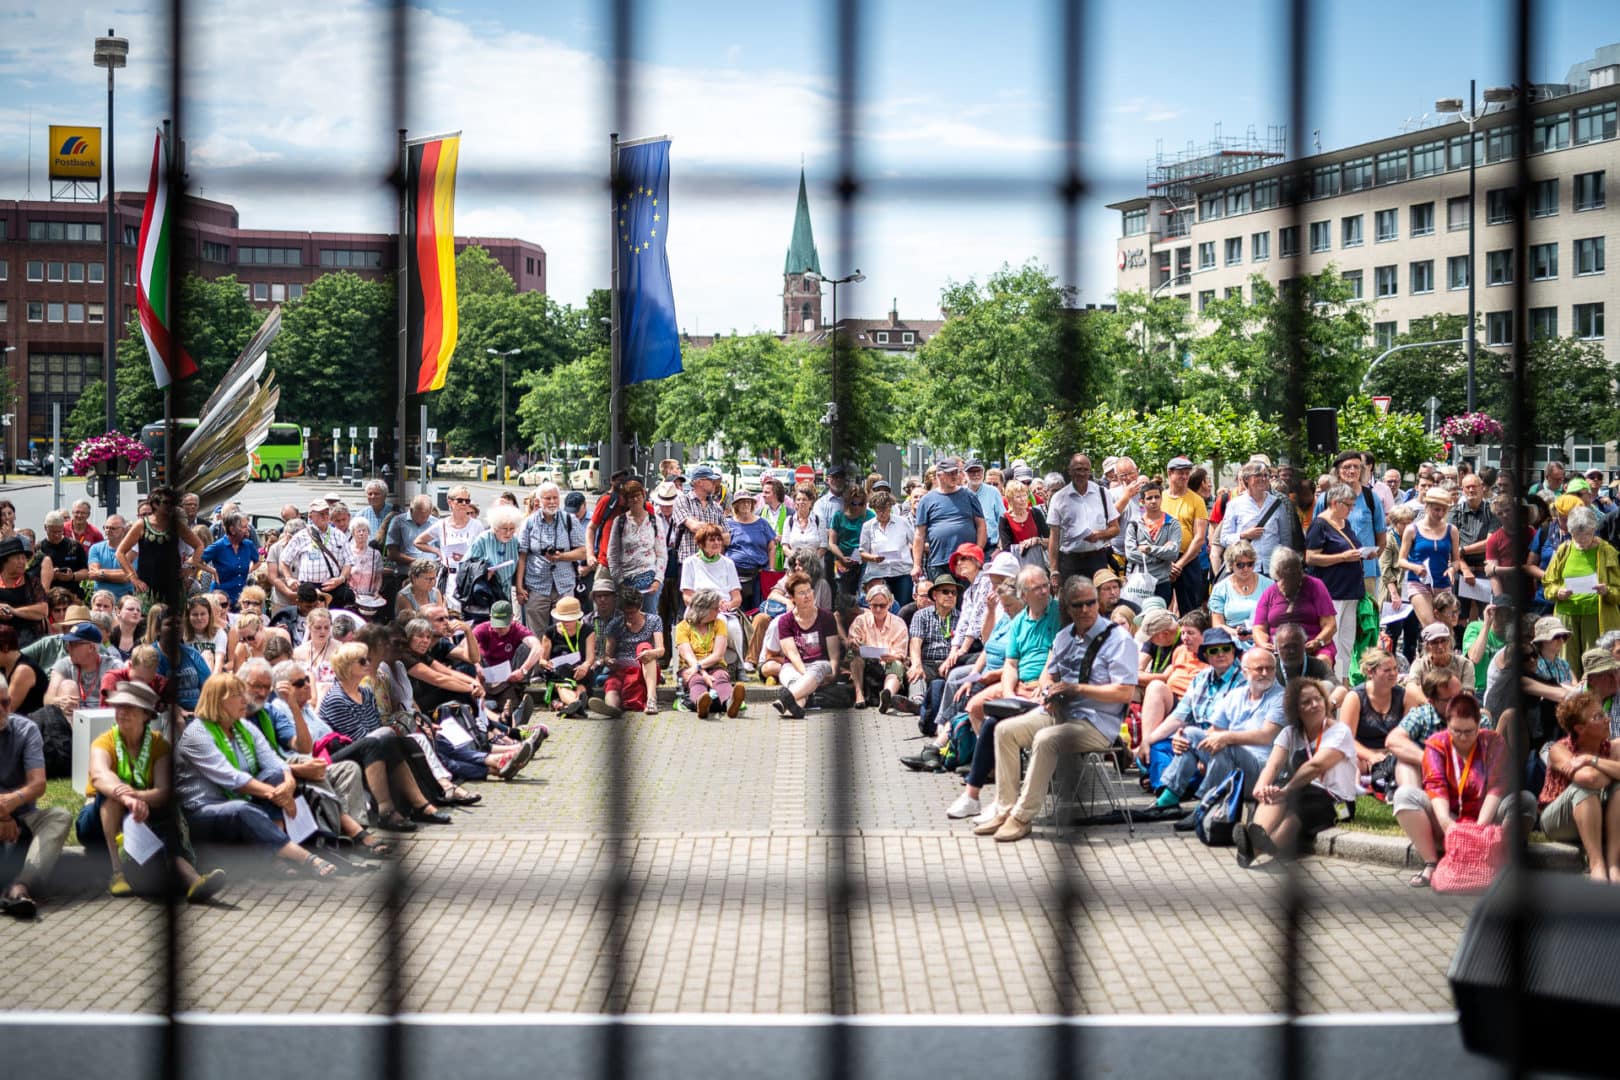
1081, 605
1459, 732
458, 499
1216, 650
1249, 565
301, 683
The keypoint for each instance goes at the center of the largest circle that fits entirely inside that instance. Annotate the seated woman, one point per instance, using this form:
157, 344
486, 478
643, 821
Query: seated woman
1235, 596
1375, 708
932, 628
635, 644
421, 589
233, 785
878, 628
1218, 652
709, 568
202, 632
396, 707
1439, 651
1296, 598
1465, 778
131, 774
1177, 666
1578, 800
562, 650
317, 650
700, 646
433, 682
805, 561
366, 577
810, 645
129, 622
1309, 781
25, 677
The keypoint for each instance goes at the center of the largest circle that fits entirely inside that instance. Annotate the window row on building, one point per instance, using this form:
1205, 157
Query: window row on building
1588, 259
56, 272
1586, 323
54, 311
271, 291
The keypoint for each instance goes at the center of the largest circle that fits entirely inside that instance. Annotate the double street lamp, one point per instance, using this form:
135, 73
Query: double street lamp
814, 278
111, 53
1495, 95
501, 464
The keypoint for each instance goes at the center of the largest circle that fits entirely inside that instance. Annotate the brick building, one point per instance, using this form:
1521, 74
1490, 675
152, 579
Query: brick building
53, 285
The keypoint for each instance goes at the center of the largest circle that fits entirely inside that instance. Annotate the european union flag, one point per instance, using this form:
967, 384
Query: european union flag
651, 340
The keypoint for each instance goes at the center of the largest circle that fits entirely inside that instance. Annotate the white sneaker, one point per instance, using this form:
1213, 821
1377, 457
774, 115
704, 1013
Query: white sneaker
964, 806
991, 812
749, 669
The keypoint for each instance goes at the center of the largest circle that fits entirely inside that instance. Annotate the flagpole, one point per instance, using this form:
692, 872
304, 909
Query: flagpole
170, 449
616, 363
401, 486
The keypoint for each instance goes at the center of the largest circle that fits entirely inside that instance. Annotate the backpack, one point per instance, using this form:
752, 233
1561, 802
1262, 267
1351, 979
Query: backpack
1220, 812
476, 591
959, 750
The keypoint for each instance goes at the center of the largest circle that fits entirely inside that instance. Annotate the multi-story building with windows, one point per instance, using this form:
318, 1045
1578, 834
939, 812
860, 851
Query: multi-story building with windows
53, 291
1393, 216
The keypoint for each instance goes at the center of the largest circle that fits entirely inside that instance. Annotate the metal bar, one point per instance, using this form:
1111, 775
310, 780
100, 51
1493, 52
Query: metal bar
401, 335
109, 361
615, 338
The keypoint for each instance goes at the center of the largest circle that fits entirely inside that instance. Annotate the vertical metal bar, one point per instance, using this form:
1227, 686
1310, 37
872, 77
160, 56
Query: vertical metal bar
615, 339
401, 287
1521, 428
1071, 18
109, 361
392, 1057
1473, 230
616, 1049
1295, 313
839, 1061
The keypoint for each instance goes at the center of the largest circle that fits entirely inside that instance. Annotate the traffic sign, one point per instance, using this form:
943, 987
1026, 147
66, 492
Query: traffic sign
1381, 403
354, 432
804, 474
371, 433
432, 434
306, 433
337, 433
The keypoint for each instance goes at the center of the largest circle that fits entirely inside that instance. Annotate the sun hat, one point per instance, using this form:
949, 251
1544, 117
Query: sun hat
566, 610
947, 581
1215, 635
1005, 564
1157, 621
74, 615
1549, 628
969, 551
500, 614
666, 493
743, 496
1577, 485
319, 506
1598, 661
138, 694
1103, 577
1436, 631
604, 585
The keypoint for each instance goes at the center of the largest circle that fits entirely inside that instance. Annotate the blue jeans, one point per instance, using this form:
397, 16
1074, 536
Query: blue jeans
465, 762
947, 705
1182, 774
161, 821
236, 821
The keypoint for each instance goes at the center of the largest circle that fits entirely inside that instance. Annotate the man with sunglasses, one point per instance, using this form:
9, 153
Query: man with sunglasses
291, 733
1238, 738
1089, 680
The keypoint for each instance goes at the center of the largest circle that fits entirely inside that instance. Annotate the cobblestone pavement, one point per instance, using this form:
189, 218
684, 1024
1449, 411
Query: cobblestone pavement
731, 846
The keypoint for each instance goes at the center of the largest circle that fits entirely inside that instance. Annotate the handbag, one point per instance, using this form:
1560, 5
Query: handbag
1220, 812
1474, 854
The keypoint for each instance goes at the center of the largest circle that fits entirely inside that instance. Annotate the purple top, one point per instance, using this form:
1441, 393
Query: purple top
1308, 608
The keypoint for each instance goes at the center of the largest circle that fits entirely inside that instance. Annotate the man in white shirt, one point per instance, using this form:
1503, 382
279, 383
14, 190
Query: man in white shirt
1125, 493
1255, 516
1081, 520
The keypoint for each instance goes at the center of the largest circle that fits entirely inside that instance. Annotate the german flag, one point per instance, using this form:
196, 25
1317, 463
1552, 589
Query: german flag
430, 195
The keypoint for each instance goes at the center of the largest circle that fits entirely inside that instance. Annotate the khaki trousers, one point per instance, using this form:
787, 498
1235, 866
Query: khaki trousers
50, 829
1046, 738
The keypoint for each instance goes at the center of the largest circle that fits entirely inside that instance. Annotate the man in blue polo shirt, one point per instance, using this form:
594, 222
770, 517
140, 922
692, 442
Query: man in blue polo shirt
232, 556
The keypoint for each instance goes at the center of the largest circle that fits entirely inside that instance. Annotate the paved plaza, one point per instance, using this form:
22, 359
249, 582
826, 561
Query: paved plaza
732, 839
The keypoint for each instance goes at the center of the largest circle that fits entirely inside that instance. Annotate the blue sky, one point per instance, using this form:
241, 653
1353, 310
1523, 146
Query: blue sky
288, 122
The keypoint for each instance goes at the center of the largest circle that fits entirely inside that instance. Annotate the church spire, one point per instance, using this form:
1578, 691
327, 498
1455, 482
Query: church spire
801, 255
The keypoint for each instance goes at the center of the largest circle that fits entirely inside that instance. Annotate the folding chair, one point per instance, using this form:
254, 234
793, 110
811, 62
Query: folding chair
1080, 785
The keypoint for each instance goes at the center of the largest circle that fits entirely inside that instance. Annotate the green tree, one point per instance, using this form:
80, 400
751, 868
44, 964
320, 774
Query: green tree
1247, 359
336, 357
1410, 377
1572, 390
569, 403
1397, 438
871, 381
732, 391
478, 274
1144, 347
1153, 437
89, 415
998, 361
214, 323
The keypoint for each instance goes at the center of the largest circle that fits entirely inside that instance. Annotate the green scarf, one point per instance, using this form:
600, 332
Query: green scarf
228, 748
138, 775
268, 726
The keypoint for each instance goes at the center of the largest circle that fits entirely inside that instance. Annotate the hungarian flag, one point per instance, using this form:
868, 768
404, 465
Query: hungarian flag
430, 203
169, 360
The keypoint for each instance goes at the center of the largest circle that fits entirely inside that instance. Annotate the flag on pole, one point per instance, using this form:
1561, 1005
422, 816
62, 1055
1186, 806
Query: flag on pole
169, 360
650, 340
430, 194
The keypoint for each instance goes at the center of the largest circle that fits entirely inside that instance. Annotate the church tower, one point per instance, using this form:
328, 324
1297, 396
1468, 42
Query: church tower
801, 299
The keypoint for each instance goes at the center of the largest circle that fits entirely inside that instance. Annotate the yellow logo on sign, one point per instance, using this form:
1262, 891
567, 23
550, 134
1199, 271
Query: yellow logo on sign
75, 153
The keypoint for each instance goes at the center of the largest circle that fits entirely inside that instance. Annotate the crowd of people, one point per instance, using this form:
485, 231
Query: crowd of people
1320, 638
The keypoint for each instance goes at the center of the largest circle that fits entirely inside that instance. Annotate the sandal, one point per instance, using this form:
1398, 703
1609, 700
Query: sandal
394, 821
371, 845
461, 797
1420, 880
318, 866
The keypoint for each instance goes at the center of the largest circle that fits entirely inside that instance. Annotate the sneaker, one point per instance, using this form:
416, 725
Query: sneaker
789, 704
1187, 824
120, 886
739, 695
206, 887
885, 700
538, 736
990, 813
749, 668
600, 705
964, 806
704, 703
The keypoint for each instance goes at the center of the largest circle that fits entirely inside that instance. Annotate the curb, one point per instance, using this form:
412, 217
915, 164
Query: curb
1397, 851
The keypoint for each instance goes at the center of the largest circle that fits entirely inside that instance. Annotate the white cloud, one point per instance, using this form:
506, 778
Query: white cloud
222, 151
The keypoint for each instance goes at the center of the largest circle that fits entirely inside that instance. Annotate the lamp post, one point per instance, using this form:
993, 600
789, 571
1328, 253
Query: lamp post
1494, 95
814, 278
501, 462
111, 53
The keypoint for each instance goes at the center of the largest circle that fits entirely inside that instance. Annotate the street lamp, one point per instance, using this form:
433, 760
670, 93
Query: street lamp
111, 53
813, 278
503, 356
1495, 95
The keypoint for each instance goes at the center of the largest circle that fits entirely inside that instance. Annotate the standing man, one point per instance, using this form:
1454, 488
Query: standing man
79, 527
989, 496
1126, 492
1255, 515
232, 556
1366, 515
701, 506
1081, 522
316, 555
1187, 507
1475, 522
104, 568
377, 506
551, 545
1552, 482
947, 518
830, 503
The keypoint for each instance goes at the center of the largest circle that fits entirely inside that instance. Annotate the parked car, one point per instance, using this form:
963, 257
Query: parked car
542, 472
587, 476
750, 475
28, 467
467, 468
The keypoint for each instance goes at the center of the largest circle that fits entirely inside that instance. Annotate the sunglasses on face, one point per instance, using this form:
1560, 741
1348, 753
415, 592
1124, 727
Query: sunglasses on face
1217, 650
1081, 605
1243, 565
460, 500
298, 683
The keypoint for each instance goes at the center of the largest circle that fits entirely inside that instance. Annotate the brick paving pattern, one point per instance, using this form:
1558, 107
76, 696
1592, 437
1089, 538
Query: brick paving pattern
730, 853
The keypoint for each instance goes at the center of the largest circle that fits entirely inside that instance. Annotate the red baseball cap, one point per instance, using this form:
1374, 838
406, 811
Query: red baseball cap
971, 551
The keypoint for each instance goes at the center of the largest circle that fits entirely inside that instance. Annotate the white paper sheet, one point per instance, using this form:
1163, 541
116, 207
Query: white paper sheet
451, 729
302, 826
885, 545
872, 652
565, 658
497, 674
140, 842
1480, 590
1584, 585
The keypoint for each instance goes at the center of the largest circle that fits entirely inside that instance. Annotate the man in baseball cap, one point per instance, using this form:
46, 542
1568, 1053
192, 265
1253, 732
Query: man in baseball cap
947, 518
1191, 513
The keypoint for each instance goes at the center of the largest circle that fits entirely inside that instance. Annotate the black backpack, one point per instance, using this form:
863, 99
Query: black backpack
477, 589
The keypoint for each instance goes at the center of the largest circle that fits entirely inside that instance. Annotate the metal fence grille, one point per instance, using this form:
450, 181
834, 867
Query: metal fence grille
1071, 49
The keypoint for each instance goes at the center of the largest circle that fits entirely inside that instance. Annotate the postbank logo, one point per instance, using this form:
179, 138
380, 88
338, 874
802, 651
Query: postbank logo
75, 153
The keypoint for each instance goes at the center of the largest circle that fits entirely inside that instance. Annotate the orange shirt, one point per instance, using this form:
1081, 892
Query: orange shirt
1184, 667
